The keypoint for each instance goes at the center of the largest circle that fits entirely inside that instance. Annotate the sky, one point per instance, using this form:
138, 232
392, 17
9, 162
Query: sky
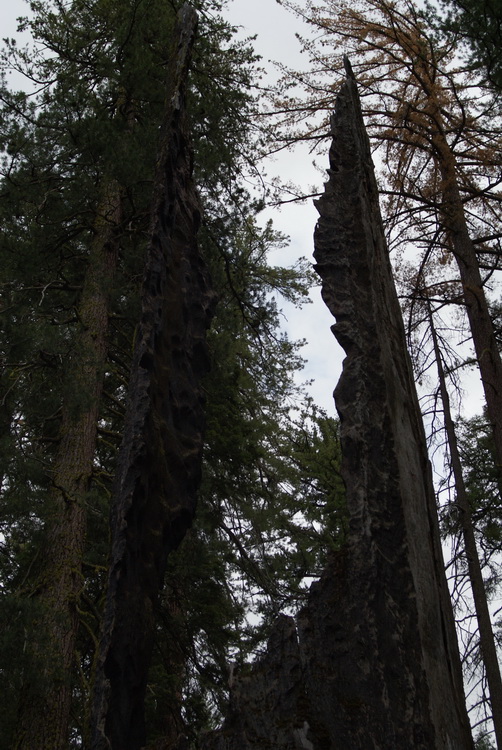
275, 29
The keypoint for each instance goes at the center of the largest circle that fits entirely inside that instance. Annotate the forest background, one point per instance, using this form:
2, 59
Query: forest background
324, 360
275, 29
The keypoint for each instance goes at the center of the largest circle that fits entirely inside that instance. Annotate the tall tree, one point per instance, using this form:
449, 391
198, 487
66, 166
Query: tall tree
437, 141
94, 122
44, 714
45, 700
159, 464
486, 637
440, 153
377, 638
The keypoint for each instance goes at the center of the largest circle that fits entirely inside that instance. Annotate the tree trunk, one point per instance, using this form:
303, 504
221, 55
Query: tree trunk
168, 724
268, 705
487, 641
160, 458
45, 708
379, 626
457, 231
483, 336
379, 664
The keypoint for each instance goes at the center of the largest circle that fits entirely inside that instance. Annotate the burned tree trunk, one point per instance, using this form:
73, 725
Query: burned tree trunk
268, 707
160, 458
382, 610
378, 657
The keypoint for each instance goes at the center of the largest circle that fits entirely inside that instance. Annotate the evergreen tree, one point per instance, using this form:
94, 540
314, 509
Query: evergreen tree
78, 163
479, 24
254, 550
476, 445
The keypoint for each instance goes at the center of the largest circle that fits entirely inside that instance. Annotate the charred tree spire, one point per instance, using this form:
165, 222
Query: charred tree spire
382, 610
160, 459
378, 663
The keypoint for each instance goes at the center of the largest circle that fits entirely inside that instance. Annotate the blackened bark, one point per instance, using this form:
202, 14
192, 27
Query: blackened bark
393, 676
268, 707
160, 458
378, 660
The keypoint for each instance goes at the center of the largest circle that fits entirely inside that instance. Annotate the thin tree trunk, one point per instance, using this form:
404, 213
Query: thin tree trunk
487, 641
483, 335
45, 707
457, 230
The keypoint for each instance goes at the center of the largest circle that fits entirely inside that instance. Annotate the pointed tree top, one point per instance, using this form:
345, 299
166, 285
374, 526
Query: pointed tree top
348, 67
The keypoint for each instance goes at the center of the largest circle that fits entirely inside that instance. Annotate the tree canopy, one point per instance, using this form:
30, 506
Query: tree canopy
79, 155
478, 23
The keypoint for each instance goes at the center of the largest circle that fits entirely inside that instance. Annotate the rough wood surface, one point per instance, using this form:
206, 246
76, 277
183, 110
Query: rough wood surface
378, 657
396, 675
268, 707
160, 458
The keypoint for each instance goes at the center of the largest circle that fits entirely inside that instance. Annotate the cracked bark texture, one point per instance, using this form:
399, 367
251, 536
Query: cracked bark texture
268, 707
378, 657
382, 610
160, 459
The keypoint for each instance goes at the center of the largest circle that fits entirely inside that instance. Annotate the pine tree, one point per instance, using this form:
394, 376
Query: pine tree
72, 153
479, 24
261, 536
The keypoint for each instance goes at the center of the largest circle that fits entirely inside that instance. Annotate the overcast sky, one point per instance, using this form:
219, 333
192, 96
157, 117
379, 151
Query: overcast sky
275, 29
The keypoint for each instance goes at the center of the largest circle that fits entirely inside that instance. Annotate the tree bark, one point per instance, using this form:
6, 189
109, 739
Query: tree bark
45, 708
487, 640
478, 313
167, 722
160, 458
379, 627
378, 663
268, 706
